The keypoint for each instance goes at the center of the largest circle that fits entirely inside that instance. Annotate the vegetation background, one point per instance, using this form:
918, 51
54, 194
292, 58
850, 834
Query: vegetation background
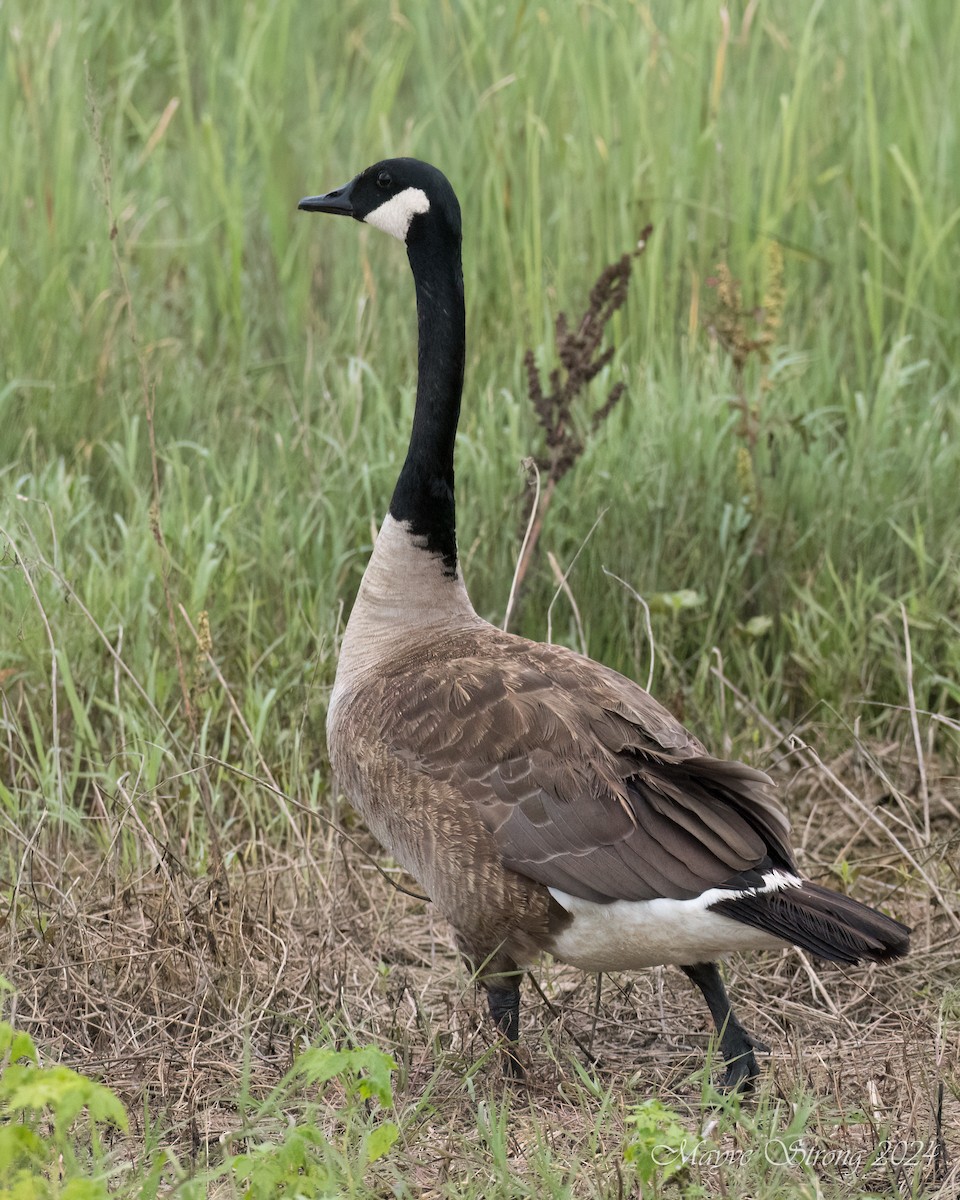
204, 400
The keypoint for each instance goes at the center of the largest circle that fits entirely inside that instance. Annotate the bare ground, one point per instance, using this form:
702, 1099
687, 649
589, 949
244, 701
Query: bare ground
164, 983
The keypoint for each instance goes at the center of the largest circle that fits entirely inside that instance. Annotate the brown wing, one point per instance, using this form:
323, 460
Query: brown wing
586, 783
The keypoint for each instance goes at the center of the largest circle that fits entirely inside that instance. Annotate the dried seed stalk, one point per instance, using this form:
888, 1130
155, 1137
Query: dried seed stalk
581, 360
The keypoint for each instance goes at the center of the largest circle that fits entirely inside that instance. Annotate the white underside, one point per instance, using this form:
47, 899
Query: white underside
628, 934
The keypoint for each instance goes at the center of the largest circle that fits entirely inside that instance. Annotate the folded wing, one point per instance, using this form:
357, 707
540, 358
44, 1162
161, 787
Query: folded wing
587, 784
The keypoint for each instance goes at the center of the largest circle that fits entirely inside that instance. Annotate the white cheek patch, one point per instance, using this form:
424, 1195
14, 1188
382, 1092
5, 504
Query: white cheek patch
394, 215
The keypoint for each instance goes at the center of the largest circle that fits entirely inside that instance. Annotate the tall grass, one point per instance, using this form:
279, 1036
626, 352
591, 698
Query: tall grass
279, 350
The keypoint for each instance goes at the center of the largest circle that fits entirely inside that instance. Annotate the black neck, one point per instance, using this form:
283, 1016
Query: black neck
424, 492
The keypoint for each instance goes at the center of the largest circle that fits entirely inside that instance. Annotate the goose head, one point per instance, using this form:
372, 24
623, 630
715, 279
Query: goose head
407, 198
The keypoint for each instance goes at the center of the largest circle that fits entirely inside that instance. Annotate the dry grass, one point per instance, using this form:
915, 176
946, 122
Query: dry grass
178, 992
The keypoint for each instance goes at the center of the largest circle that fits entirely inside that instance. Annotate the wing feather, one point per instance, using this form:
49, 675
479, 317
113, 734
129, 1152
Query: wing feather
586, 783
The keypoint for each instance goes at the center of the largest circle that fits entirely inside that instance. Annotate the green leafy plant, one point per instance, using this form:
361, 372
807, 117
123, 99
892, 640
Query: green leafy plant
655, 1144
50, 1122
303, 1159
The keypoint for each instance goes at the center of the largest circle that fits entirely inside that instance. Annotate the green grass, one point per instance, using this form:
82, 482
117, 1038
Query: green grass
280, 349
277, 354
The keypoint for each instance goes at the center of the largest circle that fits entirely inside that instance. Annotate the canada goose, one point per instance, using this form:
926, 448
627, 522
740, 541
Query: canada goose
544, 801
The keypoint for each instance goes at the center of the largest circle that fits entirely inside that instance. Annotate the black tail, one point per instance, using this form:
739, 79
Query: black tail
825, 923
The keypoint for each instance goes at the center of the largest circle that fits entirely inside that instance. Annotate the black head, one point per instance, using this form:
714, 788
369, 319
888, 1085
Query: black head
403, 196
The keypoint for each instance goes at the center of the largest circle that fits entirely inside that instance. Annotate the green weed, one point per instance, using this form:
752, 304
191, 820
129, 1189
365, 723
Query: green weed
297, 1157
51, 1119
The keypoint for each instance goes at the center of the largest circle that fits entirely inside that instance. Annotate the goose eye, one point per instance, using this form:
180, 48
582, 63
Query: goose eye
384, 180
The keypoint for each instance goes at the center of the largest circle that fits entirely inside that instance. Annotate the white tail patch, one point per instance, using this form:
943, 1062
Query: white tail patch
628, 934
394, 215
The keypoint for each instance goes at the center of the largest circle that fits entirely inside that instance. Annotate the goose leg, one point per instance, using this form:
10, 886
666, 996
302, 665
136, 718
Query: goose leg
499, 976
736, 1045
504, 1001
